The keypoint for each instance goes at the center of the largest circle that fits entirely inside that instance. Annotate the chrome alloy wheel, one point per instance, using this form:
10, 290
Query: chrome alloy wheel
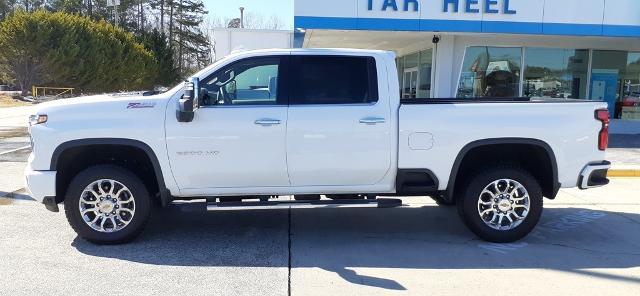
107, 205
503, 204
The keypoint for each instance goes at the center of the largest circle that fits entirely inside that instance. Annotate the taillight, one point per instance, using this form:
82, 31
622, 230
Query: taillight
602, 115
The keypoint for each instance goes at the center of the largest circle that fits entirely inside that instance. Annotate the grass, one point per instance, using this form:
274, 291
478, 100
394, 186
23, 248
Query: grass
7, 101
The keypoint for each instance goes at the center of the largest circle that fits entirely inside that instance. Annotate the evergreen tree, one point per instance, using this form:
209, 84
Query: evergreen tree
70, 6
178, 23
70, 50
157, 43
159, 6
191, 45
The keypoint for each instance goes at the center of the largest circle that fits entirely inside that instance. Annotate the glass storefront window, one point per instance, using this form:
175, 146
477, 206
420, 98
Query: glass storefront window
615, 79
414, 72
490, 72
400, 65
424, 69
411, 61
555, 73
630, 105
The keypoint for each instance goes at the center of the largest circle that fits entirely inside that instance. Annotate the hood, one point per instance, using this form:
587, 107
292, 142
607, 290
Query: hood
102, 111
108, 101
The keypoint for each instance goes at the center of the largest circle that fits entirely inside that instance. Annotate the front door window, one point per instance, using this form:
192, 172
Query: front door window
246, 82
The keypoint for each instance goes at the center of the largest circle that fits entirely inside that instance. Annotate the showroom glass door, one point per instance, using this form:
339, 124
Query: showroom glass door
410, 83
615, 79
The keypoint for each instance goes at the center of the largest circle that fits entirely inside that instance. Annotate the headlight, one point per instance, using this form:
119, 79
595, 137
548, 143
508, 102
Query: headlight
37, 119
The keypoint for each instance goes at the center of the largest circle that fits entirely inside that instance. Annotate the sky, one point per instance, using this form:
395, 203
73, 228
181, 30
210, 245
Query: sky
229, 8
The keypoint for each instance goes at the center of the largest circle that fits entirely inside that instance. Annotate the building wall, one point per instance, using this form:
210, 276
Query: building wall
228, 40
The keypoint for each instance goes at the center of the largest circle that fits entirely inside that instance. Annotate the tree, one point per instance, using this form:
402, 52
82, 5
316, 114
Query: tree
6, 7
71, 50
192, 46
235, 23
159, 5
157, 43
258, 21
71, 6
251, 21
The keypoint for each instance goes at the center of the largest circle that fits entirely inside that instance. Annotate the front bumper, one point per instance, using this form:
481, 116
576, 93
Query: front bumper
42, 186
594, 175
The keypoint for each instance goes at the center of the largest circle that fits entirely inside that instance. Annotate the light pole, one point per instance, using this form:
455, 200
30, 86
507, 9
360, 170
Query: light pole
242, 17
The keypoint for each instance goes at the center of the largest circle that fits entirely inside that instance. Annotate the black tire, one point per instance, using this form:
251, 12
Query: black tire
138, 190
468, 203
441, 201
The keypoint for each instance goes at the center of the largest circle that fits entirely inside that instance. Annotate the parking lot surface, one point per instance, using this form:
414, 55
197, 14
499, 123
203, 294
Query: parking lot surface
587, 243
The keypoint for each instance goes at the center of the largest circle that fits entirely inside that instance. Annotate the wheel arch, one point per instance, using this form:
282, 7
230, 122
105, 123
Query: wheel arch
550, 190
165, 196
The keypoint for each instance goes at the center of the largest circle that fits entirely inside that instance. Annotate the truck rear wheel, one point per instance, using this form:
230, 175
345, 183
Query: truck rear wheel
107, 204
501, 204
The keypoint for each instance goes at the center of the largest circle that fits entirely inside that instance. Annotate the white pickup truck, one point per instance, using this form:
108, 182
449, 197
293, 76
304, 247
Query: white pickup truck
309, 128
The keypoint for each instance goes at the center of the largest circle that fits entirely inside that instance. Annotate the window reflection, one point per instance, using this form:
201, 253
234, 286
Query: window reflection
490, 72
615, 77
556, 73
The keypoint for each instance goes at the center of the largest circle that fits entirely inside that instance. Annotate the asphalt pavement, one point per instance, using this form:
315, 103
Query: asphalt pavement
587, 243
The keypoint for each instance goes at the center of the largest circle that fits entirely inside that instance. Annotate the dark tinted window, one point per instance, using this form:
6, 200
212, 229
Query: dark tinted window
333, 80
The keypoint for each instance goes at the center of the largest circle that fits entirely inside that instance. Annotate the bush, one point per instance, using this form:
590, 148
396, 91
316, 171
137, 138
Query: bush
61, 49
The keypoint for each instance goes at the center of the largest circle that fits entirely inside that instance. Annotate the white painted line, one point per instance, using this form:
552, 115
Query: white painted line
14, 150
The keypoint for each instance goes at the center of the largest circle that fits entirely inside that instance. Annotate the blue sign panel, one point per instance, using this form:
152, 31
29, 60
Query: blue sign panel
619, 18
470, 6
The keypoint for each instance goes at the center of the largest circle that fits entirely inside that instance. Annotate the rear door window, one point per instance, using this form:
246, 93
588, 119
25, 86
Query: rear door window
333, 80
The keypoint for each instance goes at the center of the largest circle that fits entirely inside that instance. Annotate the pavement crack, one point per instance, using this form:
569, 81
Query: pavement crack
289, 251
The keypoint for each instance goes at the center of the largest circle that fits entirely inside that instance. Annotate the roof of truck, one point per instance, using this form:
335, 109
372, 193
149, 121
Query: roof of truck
284, 51
315, 50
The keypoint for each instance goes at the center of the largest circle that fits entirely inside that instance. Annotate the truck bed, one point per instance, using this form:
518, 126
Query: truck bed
432, 132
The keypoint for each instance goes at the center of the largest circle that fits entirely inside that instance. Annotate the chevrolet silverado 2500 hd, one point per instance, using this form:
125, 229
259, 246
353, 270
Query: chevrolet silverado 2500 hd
258, 127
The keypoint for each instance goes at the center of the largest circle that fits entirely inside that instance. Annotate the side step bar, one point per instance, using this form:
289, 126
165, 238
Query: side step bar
304, 204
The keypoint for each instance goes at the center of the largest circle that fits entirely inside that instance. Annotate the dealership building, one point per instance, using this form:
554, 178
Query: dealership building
543, 49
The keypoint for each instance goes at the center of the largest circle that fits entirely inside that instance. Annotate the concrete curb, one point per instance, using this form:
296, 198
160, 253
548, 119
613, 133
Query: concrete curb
624, 173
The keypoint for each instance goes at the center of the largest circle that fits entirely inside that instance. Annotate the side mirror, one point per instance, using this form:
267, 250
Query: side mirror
189, 101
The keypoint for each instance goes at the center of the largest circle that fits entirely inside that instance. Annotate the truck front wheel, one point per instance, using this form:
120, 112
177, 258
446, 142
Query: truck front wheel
107, 204
501, 204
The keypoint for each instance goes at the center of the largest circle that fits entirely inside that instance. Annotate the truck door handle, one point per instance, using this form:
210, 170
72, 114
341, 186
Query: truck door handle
372, 120
267, 121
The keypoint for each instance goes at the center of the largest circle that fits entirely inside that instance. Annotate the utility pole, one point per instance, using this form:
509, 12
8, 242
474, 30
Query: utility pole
242, 17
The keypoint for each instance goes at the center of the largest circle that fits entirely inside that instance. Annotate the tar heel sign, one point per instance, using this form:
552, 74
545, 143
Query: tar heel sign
447, 6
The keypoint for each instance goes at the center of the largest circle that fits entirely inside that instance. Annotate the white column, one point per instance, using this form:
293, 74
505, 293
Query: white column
444, 71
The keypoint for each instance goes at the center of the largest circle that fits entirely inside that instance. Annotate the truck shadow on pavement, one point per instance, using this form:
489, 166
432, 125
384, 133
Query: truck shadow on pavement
430, 237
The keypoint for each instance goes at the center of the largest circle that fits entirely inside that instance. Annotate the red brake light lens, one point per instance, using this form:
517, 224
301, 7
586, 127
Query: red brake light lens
602, 115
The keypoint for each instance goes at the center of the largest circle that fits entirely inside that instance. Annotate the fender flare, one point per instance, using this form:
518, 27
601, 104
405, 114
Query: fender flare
496, 141
165, 195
